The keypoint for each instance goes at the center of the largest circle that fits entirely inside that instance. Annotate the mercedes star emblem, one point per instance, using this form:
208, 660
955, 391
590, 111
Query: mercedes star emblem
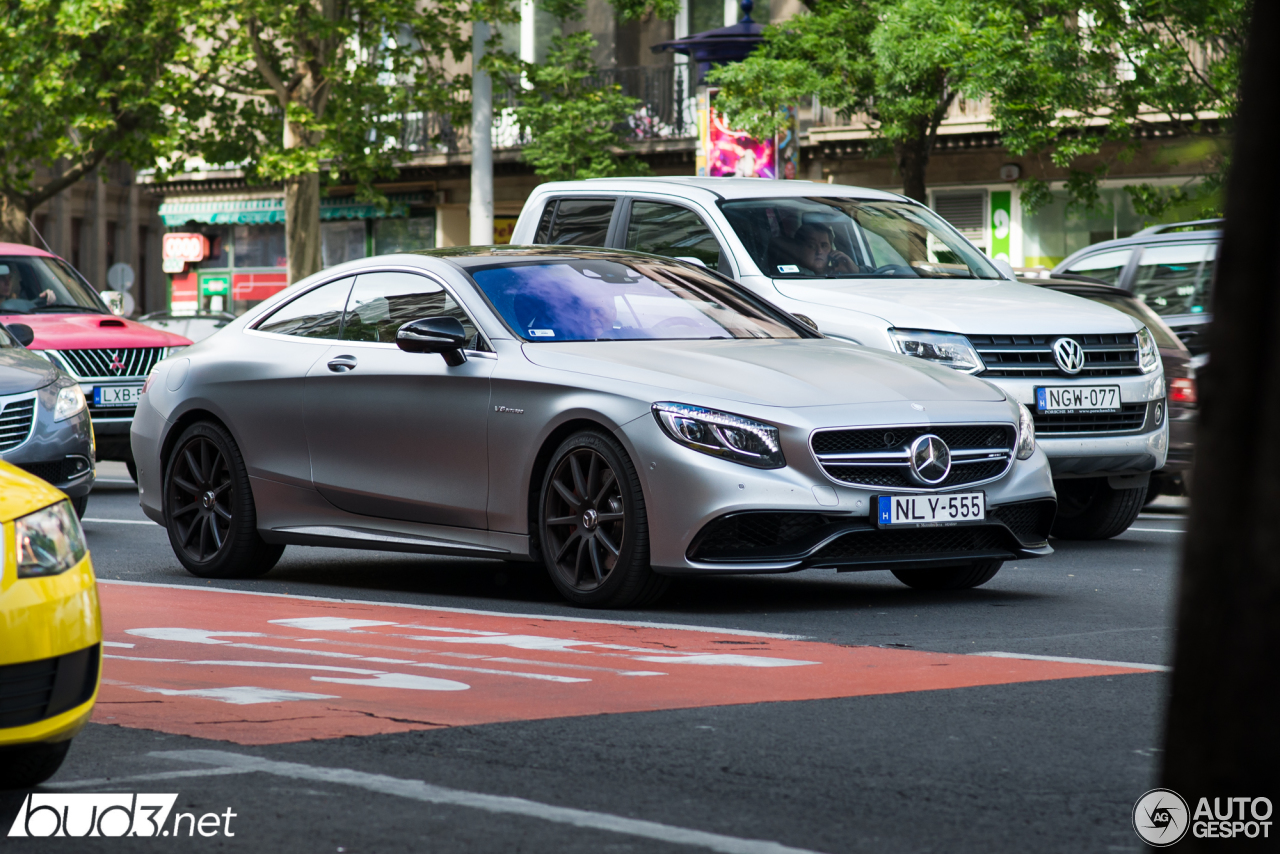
930, 460
1069, 355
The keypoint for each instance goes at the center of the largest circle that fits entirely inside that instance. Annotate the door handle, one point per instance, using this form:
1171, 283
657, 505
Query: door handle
342, 364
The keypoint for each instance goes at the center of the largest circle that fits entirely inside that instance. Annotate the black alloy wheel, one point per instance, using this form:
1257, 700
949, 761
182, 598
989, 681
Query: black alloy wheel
592, 526
208, 507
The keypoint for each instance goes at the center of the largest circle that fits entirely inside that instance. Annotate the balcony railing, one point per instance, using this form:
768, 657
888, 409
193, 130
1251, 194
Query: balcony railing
667, 110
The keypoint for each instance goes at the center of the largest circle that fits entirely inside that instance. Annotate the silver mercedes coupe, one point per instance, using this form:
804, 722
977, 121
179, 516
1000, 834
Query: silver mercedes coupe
621, 418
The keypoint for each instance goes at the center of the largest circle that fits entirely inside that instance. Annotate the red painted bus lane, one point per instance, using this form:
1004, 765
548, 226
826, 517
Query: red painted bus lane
263, 669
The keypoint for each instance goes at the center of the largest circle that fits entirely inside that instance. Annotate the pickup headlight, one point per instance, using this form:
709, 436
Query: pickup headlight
941, 348
70, 402
1026, 433
50, 541
722, 434
1148, 352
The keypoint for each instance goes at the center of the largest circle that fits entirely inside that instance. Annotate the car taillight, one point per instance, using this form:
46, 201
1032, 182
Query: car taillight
1182, 390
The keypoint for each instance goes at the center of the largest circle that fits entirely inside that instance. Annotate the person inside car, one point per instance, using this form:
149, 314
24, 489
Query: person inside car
812, 250
11, 298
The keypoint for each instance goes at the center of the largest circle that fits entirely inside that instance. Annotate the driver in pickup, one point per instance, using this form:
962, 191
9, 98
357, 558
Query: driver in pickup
11, 293
812, 249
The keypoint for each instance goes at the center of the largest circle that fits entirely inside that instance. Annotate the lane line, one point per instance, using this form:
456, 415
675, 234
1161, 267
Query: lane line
419, 791
1159, 530
123, 521
1156, 668
641, 624
116, 782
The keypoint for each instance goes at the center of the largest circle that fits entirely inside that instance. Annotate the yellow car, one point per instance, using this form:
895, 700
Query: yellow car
50, 629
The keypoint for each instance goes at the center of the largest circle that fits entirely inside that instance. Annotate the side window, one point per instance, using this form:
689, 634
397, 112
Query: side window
672, 231
315, 314
1175, 279
381, 303
1107, 266
543, 234
580, 222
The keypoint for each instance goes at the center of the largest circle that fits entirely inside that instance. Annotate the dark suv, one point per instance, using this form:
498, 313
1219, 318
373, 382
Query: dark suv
1168, 267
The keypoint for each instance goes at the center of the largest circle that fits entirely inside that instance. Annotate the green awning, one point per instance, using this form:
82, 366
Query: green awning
266, 211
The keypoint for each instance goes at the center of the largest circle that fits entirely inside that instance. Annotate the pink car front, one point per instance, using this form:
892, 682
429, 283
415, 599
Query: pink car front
108, 356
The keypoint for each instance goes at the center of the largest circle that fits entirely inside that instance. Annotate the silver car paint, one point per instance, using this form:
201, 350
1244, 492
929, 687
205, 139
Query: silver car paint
420, 488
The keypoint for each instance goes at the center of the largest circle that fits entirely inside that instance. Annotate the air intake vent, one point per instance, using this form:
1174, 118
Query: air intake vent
16, 418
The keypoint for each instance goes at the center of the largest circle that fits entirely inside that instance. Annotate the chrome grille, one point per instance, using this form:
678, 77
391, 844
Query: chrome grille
878, 457
1130, 418
98, 364
1032, 355
16, 419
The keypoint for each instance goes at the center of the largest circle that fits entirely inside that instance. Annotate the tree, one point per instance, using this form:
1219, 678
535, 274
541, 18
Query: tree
1220, 735
83, 81
312, 86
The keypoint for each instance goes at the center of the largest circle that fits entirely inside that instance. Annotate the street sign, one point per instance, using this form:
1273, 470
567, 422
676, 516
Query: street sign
120, 277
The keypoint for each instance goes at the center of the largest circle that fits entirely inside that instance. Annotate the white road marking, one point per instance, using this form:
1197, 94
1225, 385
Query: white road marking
237, 695
118, 644
722, 659
1159, 668
1159, 530
715, 630
329, 624
419, 791
374, 678
117, 782
123, 521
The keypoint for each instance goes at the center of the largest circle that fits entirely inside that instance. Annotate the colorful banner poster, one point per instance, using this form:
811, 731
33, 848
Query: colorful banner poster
734, 154
1001, 220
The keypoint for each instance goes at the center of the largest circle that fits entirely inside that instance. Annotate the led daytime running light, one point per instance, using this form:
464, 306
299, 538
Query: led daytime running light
721, 434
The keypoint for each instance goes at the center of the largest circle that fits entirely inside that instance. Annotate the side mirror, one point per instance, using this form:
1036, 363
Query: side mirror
443, 335
22, 333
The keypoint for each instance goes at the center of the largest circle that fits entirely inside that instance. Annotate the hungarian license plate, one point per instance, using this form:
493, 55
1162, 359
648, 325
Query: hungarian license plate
117, 395
917, 511
1079, 398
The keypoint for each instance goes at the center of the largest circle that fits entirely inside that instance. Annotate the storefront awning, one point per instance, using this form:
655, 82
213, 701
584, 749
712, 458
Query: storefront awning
267, 211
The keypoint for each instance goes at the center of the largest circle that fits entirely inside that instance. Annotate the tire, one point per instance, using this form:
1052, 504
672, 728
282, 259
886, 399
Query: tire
80, 504
133, 469
950, 578
593, 532
1089, 509
29, 765
208, 507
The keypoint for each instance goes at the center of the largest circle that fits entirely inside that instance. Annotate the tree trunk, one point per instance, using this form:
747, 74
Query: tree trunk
1222, 738
302, 225
913, 161
13, 222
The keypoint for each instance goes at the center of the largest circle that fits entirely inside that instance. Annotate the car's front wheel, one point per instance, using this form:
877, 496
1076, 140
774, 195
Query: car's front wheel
29, 765
950, 578
1089, 509
209, 510
592, 527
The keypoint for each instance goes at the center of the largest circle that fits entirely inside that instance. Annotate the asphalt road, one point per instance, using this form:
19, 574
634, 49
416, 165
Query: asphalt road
1043, 764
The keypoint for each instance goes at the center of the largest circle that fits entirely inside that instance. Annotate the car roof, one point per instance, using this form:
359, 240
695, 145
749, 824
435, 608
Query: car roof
1142, 238
471, 257
723, 188
23, 249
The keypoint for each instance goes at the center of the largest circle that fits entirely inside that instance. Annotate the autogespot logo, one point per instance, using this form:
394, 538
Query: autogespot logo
82, 815
1160, 817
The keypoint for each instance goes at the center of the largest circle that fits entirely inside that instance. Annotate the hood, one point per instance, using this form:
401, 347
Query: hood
56, 331
22, 493
969, 306
22, 370
789, 373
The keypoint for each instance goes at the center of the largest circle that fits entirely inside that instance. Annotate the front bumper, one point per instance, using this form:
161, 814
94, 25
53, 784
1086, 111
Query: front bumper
688, 495
1079, 451
60, 452
50, 635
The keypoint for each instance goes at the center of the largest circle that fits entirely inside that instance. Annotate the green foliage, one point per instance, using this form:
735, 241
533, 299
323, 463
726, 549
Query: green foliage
86, 80
571, 120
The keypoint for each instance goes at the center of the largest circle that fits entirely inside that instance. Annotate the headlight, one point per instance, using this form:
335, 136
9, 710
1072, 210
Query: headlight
1148, 352
1026, 433
942, 348
722, 434
50, 541
173, 351
70, 402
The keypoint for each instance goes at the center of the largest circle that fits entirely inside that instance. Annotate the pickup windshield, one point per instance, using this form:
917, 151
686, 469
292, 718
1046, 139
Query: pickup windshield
807, 238
33, 283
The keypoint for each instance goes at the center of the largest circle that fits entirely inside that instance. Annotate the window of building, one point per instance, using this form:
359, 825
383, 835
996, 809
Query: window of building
1059, 229
77, 243
260, 246
410, 234
342, 241
967, 213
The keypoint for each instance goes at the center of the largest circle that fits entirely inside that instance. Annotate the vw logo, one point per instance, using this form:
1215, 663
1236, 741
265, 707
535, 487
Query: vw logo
1069, 355
116, 365
930, 460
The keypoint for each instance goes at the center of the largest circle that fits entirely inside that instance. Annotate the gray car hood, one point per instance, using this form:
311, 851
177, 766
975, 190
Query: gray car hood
772, 372
21, 370
971, 306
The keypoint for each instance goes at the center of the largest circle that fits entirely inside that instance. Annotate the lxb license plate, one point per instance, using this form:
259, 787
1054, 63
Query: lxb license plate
1080, 398
117, 395
929, 511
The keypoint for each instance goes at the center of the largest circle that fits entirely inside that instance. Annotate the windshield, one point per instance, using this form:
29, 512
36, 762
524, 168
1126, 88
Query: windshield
850, 238
598, 300
32, 283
